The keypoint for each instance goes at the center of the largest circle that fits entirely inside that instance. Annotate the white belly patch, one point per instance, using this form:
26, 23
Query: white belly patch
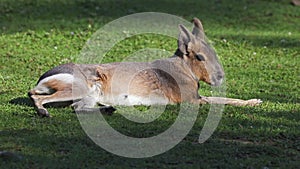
130, 100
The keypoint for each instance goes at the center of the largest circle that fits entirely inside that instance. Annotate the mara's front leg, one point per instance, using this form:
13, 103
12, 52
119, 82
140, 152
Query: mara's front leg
228, 101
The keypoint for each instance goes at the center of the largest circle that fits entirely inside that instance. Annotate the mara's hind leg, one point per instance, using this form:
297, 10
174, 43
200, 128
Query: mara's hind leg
41, 99
88, 103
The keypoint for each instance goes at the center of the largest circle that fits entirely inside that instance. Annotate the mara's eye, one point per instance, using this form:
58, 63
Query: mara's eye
200, 57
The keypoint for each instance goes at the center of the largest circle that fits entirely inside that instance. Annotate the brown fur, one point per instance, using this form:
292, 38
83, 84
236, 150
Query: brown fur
58, 85
171, 80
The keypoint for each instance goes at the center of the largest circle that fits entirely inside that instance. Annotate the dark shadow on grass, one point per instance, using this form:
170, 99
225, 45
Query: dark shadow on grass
23, 101
70, 15
61, 143
64, 14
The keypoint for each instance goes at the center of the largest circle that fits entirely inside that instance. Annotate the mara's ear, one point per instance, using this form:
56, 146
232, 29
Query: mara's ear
185, 40
198, 29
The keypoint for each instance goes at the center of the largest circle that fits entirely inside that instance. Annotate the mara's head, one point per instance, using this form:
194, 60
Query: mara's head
199, 55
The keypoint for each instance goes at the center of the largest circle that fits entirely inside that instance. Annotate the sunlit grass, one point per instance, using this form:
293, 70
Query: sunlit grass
258, 45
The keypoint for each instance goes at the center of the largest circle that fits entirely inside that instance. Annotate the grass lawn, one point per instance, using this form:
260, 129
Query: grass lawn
258, 42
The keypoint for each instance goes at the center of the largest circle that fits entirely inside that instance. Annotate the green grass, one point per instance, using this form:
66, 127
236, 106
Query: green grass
258, 43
